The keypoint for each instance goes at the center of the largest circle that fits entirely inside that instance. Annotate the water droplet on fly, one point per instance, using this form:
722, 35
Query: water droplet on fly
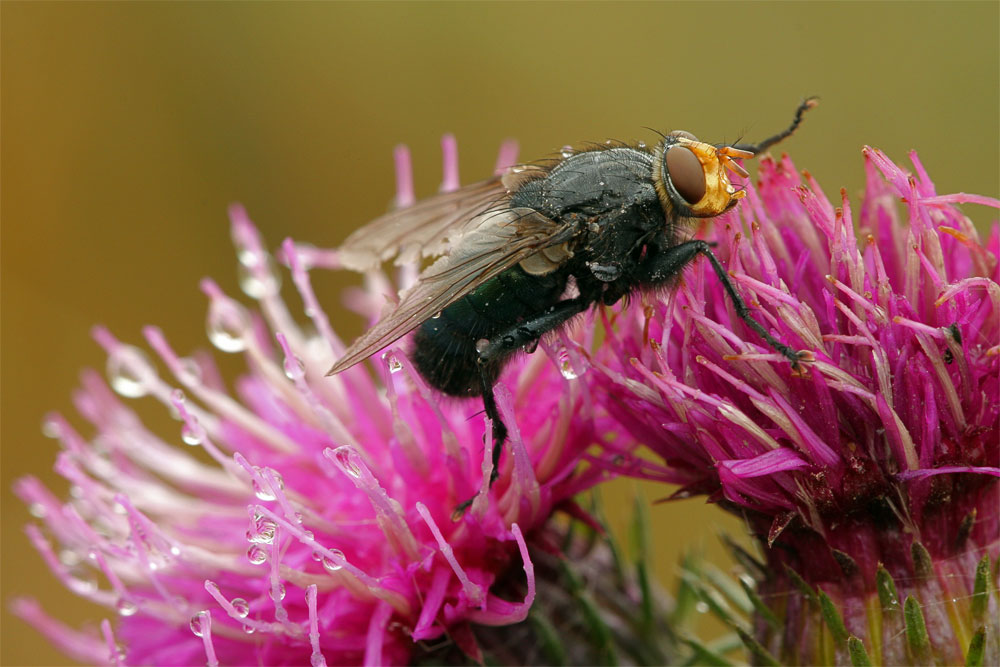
227, 325
567, 151
642, 144
436, 315
241, 607
482, 344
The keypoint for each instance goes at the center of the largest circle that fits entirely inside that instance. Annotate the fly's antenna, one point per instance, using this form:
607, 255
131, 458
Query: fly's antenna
758, 148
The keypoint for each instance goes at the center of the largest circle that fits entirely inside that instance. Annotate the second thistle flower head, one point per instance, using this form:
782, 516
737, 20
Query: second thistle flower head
884, 450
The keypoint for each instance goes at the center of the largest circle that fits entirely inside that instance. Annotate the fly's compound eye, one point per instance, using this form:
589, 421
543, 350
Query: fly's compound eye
686, 173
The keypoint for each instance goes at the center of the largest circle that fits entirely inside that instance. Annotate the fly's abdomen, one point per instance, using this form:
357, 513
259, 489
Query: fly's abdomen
445, 351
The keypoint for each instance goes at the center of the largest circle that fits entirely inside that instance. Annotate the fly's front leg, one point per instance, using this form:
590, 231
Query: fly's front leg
505, 343
669, 262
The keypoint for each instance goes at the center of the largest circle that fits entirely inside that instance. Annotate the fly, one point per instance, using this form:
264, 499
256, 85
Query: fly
611, 220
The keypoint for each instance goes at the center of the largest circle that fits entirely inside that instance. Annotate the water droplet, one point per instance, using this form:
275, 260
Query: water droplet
241, 607
257, 555
334, 563
191, 433
189, 372
701, 607
566, 151
317, 556
129, 371
278, 590
249, 629
196, 623
126, 607
37, 510
482, 344
517, 169
262, 491
642, 144
263, 532
259, 283
83, 584
393, 362
343, 456
227, 325
294, 368
51, 428
436, 315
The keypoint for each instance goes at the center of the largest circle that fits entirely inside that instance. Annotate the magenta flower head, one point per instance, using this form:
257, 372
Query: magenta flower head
869, 474
311, 520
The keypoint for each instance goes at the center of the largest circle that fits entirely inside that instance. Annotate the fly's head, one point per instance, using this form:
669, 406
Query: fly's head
692, 177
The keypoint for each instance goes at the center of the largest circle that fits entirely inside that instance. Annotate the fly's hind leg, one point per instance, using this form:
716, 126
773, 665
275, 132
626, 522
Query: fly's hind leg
508, 341
501, 346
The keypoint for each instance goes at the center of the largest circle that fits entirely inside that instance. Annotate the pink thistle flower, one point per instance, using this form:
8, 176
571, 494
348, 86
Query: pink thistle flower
877, 464
311, 520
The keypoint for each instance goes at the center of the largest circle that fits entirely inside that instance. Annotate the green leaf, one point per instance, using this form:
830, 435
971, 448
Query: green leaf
887, 595
600, 633
981, 591
761, 656
916, 630
977, 649
640, 530
833, 619
859, 656
800, 583
702, 655
548, 638
762, 609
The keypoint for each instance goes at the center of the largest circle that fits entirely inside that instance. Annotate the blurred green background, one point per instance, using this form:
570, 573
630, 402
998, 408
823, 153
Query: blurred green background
128, 129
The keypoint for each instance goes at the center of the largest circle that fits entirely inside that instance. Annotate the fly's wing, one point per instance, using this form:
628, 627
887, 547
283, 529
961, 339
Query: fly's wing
432, 226
495, 242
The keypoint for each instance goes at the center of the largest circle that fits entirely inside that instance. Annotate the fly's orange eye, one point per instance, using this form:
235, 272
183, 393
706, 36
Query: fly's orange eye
686, 174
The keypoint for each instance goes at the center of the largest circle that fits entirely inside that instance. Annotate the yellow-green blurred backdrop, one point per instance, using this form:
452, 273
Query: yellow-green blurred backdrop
128, 128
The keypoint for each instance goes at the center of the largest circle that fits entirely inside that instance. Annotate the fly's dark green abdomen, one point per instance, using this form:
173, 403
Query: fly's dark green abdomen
445, 350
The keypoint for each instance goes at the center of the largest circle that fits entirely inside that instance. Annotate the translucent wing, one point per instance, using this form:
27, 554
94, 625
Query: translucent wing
494, 242
431, 226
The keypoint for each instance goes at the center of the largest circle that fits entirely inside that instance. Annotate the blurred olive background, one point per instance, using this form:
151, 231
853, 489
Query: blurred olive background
128, 129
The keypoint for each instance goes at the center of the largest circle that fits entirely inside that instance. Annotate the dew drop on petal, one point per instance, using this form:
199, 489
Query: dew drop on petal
259, 283
189, 372
334, 563
37, 510
227, 325
241, 607
83, 584
51, 428
196, 623
278, 590
393, 362
257, 554
191, 434
249, 629
343, 456
263, 491
126, 607
129, 371
294, 368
